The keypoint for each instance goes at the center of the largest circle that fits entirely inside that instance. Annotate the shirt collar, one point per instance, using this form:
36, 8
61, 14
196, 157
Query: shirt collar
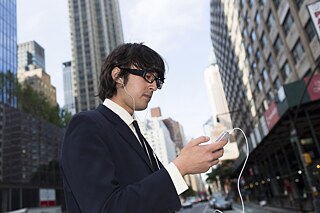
121, 112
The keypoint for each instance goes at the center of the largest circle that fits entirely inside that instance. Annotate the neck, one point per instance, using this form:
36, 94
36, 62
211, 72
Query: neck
118, 101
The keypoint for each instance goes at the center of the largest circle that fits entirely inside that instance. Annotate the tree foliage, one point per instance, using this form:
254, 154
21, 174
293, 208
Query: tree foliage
223, 170
36, 104
47, 174
188, 193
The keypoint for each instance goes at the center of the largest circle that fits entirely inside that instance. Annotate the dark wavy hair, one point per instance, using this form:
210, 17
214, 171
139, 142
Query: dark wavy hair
124, 56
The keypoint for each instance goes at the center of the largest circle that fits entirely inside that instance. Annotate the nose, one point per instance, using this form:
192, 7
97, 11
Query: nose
153, 86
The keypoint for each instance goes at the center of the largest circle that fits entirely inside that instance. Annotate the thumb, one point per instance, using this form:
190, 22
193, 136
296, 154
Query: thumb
199, 140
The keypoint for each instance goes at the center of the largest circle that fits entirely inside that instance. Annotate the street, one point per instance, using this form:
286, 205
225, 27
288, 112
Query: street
249, 208
202, 208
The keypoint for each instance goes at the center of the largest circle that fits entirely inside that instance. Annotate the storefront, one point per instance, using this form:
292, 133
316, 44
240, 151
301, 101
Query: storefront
284, 165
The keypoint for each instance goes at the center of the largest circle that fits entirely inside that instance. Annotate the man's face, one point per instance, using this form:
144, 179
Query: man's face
136, 94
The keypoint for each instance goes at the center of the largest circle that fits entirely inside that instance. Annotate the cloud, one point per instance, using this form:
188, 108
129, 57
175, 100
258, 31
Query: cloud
162, 23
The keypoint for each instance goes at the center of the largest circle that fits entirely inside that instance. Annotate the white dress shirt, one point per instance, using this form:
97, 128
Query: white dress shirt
171, 168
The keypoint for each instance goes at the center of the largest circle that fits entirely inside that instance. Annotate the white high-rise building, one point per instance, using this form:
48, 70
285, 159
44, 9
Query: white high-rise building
216, 94
158, 136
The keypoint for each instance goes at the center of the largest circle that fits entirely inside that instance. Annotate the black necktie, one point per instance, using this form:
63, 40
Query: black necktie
146, 147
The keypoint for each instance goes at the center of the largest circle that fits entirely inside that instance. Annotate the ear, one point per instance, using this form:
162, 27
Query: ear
115, 74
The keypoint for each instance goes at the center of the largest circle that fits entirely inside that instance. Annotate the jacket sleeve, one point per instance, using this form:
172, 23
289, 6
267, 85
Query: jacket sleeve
90, 181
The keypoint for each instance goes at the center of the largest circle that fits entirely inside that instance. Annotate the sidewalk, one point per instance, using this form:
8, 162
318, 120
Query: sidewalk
251, 207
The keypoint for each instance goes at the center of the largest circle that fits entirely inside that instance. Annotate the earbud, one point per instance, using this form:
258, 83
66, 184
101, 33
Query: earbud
121, 81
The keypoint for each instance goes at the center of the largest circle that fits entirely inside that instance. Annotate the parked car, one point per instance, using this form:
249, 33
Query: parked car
187, 204
221, 203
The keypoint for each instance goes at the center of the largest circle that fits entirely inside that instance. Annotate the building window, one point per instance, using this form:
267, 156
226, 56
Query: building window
247, 19
257, 18
259, 86
254, 67
244, 33
242, 3
249, 49
262, 2
250, 3
277, 45
263, 40
276, 3
246, 62
309, 29
253, 36
258, 55
270, 21
298, 3
285, 71
269, 96
261, 110
270, 61
297, 51
277, 84
264, 75
288, 21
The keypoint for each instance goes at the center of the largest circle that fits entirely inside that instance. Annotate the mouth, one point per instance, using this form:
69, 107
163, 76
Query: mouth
149, 96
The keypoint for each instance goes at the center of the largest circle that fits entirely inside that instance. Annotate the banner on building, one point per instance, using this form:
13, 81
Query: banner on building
47, 197
313, 87
314, 11
272, 115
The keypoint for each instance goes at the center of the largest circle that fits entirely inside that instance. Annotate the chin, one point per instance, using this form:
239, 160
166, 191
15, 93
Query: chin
140, 108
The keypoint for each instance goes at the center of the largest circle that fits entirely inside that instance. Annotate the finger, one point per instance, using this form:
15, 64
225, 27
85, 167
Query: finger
215, 162
199, 140
218, 145
217, 154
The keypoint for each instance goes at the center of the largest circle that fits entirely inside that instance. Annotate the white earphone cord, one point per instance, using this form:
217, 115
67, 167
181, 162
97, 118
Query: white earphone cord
135, 115
244, 164
134, 105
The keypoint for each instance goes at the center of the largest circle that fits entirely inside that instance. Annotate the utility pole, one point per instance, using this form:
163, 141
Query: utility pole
311, 188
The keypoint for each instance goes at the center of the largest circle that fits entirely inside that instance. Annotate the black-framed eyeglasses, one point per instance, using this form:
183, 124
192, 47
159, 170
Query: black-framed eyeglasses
147, 75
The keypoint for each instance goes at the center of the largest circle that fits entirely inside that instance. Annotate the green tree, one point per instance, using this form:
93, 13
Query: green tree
47, 174
36, 103
188, 193
223, 170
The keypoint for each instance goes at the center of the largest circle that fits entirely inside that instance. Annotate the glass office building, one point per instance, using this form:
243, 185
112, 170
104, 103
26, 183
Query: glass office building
8, 51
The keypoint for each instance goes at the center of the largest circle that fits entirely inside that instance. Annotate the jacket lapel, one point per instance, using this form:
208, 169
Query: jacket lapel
124, 131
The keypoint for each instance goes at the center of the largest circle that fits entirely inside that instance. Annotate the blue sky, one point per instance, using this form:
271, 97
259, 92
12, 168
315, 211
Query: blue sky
179, 30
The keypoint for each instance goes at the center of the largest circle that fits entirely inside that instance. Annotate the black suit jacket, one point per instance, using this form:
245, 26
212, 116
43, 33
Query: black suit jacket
106, 170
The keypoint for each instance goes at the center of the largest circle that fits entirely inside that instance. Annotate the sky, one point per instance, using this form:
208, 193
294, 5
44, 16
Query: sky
178, 30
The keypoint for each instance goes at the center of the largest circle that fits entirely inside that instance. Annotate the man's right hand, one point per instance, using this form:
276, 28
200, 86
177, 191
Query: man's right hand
195, 158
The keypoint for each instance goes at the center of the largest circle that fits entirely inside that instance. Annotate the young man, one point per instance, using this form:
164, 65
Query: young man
107, 165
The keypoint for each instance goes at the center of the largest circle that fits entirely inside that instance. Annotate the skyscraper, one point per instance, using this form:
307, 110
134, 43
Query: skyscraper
216, 94
8, 52
69, 99
95, 30
31, 69
273, 47
31, 56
